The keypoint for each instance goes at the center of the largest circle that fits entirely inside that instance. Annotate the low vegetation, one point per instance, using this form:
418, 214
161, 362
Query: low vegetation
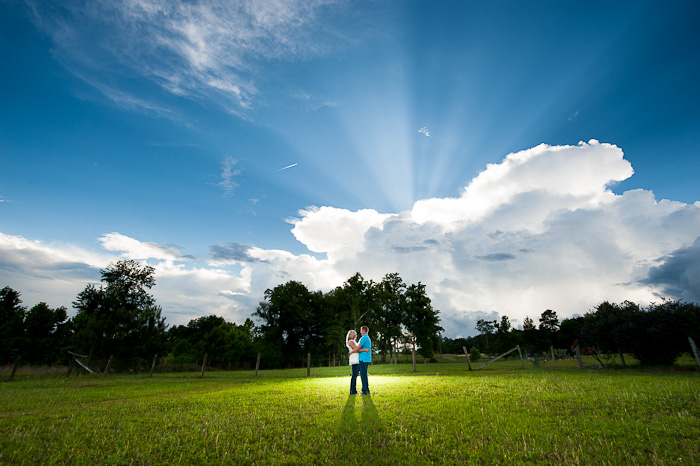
441, 414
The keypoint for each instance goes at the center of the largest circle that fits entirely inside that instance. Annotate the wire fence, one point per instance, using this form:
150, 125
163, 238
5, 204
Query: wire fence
563, 361
514, 359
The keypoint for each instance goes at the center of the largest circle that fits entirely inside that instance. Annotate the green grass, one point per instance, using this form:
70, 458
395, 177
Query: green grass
442, 414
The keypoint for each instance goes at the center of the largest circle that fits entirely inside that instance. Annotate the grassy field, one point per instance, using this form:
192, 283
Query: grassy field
442, 414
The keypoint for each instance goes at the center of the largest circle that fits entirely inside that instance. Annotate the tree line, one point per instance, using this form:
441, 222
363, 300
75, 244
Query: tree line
120, 320
654, 335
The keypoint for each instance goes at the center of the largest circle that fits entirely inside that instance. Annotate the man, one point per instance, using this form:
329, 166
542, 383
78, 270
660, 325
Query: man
365, 357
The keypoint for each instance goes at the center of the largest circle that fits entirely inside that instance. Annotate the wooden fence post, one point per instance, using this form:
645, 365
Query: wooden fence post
466, 353
204, 364
71, 363
578, 356
257, 365
622, 358
109, 364
554, 360
413, 353
308, 364
695, 350
153, 366
522, 361
14, 367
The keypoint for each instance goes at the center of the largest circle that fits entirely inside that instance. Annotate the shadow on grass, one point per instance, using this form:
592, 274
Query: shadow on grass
359, 424
348, 420
369, 420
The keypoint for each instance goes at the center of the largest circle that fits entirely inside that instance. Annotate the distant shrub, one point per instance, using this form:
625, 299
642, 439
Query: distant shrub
657, 335
663, 331
474, 354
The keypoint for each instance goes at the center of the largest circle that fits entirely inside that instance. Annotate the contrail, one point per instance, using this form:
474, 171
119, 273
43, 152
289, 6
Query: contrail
288, 166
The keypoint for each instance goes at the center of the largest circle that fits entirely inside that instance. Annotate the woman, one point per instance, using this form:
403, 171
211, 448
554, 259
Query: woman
354, 357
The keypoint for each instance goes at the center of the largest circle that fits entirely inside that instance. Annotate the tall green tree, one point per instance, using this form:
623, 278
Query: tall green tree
421, 320
529, 325
295, 321
611, 328
11, 324
121, 317
549, 326
569, 333
359, 298
92, 321
241, 350
504, 337
486, 328
549, 321
348, 307
290, 322
388, 313
45, 334
531, 336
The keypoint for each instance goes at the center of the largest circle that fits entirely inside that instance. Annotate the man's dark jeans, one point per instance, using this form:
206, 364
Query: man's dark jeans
363, 377
353, 380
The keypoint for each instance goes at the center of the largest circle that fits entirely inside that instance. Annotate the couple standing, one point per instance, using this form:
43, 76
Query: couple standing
360, 358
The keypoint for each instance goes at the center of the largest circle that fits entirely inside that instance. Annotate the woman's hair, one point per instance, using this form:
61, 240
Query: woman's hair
350, 336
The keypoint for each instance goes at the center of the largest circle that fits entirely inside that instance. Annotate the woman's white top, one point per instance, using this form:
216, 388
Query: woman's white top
354, 357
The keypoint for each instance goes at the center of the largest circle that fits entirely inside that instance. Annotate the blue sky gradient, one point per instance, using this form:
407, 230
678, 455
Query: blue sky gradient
195, 135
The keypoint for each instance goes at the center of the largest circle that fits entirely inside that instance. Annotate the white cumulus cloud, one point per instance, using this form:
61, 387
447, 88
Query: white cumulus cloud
337, 232
528, 185
540, 230
208, 50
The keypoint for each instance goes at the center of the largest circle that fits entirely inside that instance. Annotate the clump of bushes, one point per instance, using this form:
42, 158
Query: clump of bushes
474, 354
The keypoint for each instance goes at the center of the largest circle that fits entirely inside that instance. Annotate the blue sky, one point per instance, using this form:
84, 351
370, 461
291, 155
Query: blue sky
237, 145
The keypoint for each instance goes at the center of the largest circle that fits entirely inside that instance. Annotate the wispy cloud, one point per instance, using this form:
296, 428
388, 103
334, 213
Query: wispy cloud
496, 257
233, 252
425, 131
210, 50
227, 173
127, 100
134, 249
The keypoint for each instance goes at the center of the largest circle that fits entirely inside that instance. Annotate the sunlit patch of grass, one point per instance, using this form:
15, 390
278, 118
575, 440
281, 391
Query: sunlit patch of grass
439, 414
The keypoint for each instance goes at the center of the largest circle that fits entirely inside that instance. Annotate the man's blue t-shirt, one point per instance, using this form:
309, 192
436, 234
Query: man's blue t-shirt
366, 344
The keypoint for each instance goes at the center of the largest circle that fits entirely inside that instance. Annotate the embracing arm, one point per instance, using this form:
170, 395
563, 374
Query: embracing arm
357, 348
